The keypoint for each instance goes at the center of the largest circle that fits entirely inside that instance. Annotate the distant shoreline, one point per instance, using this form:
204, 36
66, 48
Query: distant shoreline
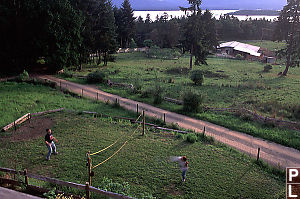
179, 10
256, 12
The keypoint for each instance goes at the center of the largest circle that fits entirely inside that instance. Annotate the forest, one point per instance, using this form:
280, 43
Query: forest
58, 34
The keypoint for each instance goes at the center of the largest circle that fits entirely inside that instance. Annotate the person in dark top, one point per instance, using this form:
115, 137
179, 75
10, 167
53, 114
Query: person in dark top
50, 144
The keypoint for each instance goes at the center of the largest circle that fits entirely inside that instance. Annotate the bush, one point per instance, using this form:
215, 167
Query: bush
267, 68
137, 86
96, 77
148, 43
192, 101
23, 76
108, 185
66, 74
157, 94
197, 77
132, 43
296, 112
146, 93
239, 57
191, 138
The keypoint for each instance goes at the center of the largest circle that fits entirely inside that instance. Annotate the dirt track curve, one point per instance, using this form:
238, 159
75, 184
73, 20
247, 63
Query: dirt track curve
270, 152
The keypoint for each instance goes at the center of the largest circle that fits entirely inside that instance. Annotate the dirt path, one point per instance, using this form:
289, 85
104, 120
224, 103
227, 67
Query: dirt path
275, 154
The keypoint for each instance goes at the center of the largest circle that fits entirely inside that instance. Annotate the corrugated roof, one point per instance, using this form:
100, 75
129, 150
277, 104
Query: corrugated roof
247, 48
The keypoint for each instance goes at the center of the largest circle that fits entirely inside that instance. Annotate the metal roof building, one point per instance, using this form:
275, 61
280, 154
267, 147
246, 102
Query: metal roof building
241, 47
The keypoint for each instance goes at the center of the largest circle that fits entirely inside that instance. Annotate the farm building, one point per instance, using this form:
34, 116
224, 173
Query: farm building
248, 51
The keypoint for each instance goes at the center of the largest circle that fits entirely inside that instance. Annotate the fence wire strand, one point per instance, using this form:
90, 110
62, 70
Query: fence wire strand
114, 142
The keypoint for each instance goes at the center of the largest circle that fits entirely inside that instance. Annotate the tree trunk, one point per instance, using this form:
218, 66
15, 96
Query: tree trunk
191, 59
287, 65
99, 58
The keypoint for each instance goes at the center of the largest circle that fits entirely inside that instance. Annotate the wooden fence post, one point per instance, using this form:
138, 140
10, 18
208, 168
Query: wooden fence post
15, 126
203, 131
143, 122
137, 109
258, 151
26, 177
29, 116
90, 168
164, 118
87, 189
81, 92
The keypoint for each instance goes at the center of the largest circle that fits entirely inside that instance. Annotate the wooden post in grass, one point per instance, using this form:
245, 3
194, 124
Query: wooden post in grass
203, 131
26, 177
90, 168
144, 122
164, 118
15, 126
87, 190
137, 109
81, 92
258, 151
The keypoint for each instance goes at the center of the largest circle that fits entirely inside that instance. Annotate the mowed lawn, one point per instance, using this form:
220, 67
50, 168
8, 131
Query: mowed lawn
215, 171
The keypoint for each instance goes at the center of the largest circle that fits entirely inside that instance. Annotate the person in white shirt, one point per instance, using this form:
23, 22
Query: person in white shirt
183, 165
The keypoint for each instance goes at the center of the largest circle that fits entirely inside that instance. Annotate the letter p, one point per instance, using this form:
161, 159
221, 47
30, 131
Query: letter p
292, 173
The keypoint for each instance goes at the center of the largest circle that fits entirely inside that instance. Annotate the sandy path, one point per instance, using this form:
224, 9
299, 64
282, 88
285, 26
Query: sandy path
272, 153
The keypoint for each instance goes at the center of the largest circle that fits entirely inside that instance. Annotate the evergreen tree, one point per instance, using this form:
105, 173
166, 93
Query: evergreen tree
288, 28
35, 29
199, 33
126, 22
105, 30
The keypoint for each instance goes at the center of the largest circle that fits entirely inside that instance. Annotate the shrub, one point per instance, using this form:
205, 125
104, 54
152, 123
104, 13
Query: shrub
192, 101
157, 94
66, 74
267, 68
137, 87
239, 57
96, 77
296, 112
191, 138
108, 185
146, 93
197, 77
24, 76
132, 43
148, 43
111, 58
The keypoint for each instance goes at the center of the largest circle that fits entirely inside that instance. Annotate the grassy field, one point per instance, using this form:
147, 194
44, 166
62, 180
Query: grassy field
17, 99
216, 171
270, 45
227, 83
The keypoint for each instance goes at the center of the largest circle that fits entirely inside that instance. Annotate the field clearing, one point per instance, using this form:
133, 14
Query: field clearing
227, 83
216, 171
270, 45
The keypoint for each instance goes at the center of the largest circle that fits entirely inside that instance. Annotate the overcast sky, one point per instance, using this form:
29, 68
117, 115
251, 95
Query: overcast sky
210, 4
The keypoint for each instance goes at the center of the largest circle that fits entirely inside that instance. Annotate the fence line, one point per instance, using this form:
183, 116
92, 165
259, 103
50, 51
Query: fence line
18, 121
68, 184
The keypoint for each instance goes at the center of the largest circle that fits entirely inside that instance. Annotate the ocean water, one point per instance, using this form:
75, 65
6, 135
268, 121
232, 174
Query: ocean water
216, 14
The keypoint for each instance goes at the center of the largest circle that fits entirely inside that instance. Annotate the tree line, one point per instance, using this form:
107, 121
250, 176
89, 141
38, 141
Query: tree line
64, 33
